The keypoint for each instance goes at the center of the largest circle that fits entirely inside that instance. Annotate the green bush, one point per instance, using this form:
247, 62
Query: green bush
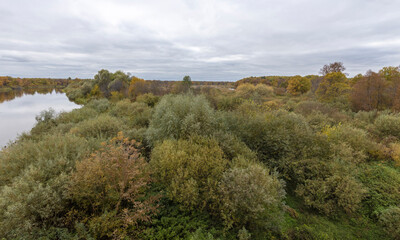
17, 158
148, 98
306, 108
367, 117
318, 121
383, 183
233, 146
357, 139
190, 170
200, 234
34, 183
135, 114
251, 197
227, 103
44, 122
76, 115
104, 126
388, 125
272, 136
100, 105
390, 220
328, 185
181, 116
174, 223
332, 194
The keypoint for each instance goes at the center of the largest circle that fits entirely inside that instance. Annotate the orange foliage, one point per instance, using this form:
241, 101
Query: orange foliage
114, 180
370, 92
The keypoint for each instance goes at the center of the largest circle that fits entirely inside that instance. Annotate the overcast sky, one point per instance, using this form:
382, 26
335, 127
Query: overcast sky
208, 40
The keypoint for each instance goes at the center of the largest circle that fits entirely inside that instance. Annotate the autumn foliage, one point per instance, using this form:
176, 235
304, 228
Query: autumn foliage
298, 85
301, 157
108, 189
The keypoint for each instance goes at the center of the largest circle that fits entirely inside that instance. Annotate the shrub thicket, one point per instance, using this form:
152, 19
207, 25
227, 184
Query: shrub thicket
181, 116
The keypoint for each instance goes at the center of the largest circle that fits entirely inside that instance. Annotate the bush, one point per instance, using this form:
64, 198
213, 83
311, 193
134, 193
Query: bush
273, 136
318, 121
15, 159
108, 188
395, 153
136, 115
332, 194
227, 103
76, 115
232, 146
388, 125
148, 98
103, 126
328, 185
200, 234
359, 141
307, 107
181, 116
390, 220
190, 170
100, 105
302, 232
251, 197
174, 223
245, 90
255, 93
44, 122
383, 183
34, 183
366, 116
46, 116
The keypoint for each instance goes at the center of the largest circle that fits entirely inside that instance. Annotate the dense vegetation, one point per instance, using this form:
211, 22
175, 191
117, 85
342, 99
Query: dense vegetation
314, 157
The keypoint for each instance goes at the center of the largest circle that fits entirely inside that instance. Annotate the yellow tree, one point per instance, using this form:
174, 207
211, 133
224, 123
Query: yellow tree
391, 74
392, 77
137, 86
332, 86
298, 85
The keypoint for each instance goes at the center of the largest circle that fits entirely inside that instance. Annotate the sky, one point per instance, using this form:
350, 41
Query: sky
221, 40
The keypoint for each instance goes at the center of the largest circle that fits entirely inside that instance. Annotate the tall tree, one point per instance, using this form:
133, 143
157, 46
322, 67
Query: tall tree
186, 83
369, 92
298, 85
102, 79
332, 86
332, 67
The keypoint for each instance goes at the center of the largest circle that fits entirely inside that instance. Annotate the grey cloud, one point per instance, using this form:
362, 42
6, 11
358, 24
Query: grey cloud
209, 40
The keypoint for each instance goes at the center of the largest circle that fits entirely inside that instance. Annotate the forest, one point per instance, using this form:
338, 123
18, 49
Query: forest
271, 157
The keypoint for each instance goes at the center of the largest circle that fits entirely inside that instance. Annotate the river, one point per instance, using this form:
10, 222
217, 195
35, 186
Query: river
18, 110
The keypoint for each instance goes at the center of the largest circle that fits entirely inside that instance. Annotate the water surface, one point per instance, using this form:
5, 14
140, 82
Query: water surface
19, 109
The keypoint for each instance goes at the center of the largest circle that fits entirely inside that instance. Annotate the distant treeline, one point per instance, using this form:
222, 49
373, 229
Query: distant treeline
119, 85
276, 81
371, 91
10, 95
10, 83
